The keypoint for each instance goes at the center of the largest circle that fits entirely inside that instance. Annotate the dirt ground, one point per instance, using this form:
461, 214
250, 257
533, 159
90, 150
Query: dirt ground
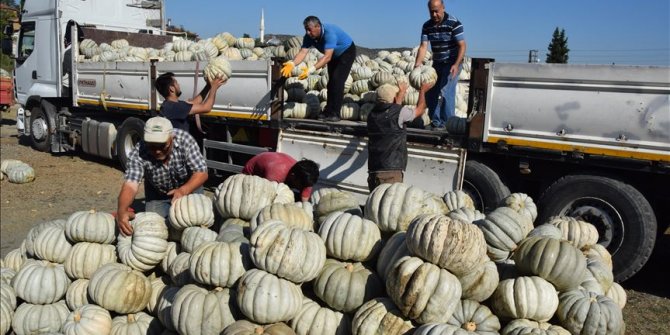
68, 183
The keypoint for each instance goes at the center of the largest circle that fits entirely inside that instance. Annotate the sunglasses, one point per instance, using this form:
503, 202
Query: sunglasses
158, 146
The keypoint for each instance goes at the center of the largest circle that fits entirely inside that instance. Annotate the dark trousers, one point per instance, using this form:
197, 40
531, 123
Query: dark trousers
384, 177
338, 71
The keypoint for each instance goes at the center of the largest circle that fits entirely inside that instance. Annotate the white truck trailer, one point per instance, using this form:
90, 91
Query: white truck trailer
591, 141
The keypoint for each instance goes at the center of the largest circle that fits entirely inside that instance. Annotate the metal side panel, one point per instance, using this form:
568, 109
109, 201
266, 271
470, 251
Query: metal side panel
343, 161
611, 110
114, 84
246, 94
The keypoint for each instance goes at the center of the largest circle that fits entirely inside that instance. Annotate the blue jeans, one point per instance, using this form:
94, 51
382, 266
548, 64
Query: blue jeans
441, 99
160, 206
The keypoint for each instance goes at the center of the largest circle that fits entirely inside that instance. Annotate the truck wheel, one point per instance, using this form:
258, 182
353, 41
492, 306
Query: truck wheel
624, 218
40, 130
129, 134
484, 186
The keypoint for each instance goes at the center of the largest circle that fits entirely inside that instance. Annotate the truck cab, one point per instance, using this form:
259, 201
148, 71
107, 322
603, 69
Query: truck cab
44, 39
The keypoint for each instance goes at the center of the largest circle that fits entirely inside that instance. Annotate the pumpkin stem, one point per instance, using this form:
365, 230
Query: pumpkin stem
131, 318
92, 211
77, 316
470, 326
349, 267
259, 330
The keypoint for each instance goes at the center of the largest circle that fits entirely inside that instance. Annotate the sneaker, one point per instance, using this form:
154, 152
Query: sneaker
437, 128
332, 118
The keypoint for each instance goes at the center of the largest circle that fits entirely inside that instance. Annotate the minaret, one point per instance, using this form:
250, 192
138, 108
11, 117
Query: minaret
262, 26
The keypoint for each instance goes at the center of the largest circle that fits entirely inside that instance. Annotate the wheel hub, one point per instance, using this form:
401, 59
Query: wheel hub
129, 143
39, 129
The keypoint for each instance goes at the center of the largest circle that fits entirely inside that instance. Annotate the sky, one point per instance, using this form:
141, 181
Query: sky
599, 32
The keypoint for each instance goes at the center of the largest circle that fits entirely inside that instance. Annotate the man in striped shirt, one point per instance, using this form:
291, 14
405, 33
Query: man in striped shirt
447, 41
169, 161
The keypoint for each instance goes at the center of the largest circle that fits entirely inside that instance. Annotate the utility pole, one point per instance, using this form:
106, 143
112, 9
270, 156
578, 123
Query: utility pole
533, 56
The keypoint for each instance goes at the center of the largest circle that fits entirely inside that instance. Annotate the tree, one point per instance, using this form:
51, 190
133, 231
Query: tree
558, 48
7, 63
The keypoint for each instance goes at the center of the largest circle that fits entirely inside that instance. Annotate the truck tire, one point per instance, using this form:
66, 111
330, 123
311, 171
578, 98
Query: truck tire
624, 218
40, 129
484, 186
130, 132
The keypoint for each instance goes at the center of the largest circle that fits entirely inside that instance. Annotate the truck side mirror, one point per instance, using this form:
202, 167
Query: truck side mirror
7, 33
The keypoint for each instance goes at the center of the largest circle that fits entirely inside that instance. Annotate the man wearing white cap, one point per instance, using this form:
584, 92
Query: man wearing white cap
169, 161
387, 133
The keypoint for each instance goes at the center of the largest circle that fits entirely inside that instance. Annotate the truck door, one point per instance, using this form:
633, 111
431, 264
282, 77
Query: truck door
37, 60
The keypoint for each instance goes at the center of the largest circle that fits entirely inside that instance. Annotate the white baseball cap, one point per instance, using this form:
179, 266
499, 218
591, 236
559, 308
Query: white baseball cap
157, 130
386, 93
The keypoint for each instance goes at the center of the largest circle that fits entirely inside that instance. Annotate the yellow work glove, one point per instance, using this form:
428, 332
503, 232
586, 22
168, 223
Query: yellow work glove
287, 68
306, 71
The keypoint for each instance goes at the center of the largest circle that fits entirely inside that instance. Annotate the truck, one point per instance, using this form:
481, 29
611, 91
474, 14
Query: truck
6, 90
589, 141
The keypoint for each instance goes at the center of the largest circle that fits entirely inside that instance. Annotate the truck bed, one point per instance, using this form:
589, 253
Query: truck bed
617, 111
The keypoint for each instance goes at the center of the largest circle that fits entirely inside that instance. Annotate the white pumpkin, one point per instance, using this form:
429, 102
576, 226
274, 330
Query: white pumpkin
346, 286
41, 282
39, 319
422, 291
195, 236
315, 319
85, 258
241, 196
394, 249
218, 67
525, 298
147, 245
350, 237
91, 226
20, 174
453, 245
290, 253
265, 298
219, 264
135, 324
521, 203
290, 214
480, 283
88, 320
580, 233
196, 310
119, 288
380, 316
393, 206
422, 75
77, 294
458, 199
52, 245
179, 270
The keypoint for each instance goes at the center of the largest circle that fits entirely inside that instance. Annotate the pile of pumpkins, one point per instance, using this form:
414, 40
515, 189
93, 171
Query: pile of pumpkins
305, 98
16, 171
249, 260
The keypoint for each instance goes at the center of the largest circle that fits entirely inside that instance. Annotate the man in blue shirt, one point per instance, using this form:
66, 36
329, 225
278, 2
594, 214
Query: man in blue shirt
178, 111
447, 41
339, 53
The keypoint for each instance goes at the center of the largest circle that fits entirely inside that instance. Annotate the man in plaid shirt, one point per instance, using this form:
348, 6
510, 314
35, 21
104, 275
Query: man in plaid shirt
169, 161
